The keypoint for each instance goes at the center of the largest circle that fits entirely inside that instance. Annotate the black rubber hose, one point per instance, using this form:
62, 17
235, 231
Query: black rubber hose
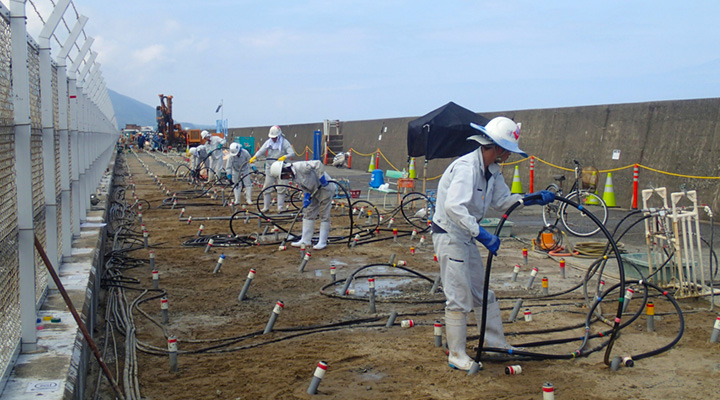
488, 268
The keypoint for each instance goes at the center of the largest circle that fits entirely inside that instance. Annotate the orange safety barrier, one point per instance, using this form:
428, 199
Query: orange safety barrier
532, 174
636, 174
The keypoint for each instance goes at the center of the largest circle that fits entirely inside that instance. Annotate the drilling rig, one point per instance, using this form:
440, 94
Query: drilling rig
173, 133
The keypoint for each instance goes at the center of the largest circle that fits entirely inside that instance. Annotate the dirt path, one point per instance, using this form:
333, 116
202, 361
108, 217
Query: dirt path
365, 359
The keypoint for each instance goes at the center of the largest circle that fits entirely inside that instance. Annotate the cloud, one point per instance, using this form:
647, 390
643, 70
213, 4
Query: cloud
149, 54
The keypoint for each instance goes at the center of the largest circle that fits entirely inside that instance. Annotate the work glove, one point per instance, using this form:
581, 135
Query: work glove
282, 158
323, 181
490, 241
540, 198
229, 176
252, 159
306, 200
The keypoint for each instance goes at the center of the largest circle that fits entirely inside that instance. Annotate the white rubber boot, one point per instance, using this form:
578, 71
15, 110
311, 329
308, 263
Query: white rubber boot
248, 195
307, 233
267, 199
236, 192
456, 334
281, 203
323, 236
494, 334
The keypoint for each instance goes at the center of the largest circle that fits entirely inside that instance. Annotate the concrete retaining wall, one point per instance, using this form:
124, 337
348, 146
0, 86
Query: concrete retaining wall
677, 137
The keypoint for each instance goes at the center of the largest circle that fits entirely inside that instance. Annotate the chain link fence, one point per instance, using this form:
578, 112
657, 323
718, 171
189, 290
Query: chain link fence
9, 266
52, 215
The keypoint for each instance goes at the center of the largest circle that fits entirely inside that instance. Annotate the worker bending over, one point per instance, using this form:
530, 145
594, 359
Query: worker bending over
318, 192
199, 156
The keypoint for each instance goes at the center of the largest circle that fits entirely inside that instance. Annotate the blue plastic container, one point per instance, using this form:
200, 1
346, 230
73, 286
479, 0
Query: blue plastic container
377, 178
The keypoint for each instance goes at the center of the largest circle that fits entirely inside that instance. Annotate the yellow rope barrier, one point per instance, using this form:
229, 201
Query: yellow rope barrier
298, 154
679, 175
515, 162
387, 161
372, 154
616, 169
553, 165
361, 154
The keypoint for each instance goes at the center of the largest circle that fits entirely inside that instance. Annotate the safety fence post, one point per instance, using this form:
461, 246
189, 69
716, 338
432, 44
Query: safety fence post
532, 174
636, 173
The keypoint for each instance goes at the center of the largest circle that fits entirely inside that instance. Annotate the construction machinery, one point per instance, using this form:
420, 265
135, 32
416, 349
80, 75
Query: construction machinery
193, 137
174, 134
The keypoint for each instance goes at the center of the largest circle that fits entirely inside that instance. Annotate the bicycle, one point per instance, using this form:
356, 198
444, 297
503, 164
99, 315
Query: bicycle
574, 220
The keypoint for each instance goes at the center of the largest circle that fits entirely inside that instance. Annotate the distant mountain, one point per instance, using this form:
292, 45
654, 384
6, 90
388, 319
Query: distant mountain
131, 111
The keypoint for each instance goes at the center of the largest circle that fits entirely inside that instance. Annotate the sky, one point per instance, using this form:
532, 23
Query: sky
296, 61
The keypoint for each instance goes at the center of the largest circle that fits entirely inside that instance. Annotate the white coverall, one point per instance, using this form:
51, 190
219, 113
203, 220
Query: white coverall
464, 195
307, 177
238, 166
214, 148
201, 156
274, 151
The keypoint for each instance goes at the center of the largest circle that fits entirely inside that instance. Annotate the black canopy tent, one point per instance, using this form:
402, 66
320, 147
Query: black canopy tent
443, 133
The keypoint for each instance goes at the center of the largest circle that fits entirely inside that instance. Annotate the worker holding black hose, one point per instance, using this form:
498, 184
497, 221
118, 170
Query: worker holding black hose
467, 188
238, 168
278, 148
199, 155
318, 192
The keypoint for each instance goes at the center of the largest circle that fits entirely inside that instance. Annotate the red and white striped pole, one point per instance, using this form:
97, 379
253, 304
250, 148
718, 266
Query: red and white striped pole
377, 159
548, 391
173, 353
636, 173
317, 377
532, 174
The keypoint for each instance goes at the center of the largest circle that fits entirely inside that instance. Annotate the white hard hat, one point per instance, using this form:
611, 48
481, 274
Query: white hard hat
501, 131
193, 151
234, 148
275, 131
276, 169
204, 134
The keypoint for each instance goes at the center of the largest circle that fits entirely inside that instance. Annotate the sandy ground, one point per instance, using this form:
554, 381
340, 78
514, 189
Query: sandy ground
225, 355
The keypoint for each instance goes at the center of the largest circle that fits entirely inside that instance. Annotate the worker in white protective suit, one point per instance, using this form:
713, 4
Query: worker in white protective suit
199, 157
213, 146
278, 149
193, 157
467, 188
318, 192
341, 159
237, 167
